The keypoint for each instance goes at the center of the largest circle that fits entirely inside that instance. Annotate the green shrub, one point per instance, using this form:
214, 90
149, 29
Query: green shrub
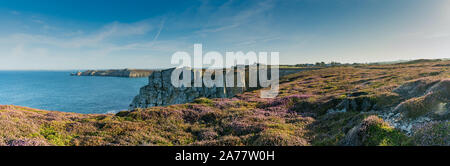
203, 101
51, 133
376, 132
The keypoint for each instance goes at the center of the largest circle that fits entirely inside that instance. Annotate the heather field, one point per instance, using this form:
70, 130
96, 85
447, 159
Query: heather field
358, 105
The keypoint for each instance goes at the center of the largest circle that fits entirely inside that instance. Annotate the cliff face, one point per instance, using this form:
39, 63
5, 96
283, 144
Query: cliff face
115, 73
161, 92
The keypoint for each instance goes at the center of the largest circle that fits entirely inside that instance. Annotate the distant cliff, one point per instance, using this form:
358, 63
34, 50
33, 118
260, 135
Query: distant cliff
115, 73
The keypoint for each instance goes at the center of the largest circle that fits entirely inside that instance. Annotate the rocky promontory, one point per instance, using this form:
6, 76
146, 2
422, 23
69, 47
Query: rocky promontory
161, 92
115, 73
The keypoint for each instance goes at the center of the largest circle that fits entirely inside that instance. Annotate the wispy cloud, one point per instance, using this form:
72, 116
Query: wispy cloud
15, 12
219, 28
161, 26
38, 21
226, 17
104, 41
75, 40
438, 35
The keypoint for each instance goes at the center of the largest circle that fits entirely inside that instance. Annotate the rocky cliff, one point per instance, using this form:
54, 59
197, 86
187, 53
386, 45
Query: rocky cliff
160, 92
115, 73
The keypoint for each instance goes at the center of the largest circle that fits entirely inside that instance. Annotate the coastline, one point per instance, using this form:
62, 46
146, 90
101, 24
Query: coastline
131, 73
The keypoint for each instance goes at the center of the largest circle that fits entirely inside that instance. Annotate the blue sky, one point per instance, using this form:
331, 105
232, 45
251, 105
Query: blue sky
89, 34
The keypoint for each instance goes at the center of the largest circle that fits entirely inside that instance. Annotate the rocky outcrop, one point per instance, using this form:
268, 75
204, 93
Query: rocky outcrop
415, 88
115, 73
433, 101
161, 92
426, 101
356, 135
411, 106
373, 131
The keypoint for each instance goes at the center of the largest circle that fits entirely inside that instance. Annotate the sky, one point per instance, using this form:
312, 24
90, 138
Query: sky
106, 34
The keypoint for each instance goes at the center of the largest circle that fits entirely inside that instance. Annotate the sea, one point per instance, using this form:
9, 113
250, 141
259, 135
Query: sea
58, 91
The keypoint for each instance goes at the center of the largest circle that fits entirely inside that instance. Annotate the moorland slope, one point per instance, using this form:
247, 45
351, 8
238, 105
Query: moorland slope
394, 104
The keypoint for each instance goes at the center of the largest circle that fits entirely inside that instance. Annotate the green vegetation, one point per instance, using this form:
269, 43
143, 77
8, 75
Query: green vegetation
378, 133
52, 133
337, 126
203, 101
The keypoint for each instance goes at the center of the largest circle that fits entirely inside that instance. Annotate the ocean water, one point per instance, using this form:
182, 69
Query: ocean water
58, 91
